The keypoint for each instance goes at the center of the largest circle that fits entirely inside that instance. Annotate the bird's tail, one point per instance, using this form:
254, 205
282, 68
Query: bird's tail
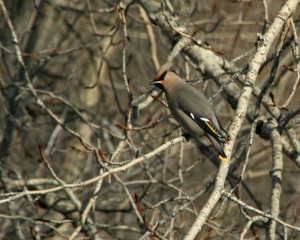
221, 154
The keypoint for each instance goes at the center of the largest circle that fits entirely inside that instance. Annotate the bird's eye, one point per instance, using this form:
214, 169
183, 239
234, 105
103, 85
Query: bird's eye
162, 77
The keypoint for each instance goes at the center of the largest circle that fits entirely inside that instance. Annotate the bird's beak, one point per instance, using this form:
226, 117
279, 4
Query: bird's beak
155, 82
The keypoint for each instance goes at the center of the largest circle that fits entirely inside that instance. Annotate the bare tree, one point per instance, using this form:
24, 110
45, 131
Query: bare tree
89, 150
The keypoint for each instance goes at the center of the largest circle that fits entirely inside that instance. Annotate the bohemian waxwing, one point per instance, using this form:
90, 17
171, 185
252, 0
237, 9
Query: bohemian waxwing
190, 108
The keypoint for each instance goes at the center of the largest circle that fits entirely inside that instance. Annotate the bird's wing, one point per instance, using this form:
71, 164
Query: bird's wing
207, 124
197, 107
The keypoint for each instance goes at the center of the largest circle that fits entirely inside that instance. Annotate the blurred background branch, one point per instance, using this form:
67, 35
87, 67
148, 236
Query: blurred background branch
74, 80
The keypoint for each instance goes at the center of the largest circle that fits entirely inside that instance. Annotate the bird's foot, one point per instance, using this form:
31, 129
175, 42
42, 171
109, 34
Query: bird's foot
186, 136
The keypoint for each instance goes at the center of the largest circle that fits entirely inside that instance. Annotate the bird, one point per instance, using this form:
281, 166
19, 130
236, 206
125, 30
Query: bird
190, 108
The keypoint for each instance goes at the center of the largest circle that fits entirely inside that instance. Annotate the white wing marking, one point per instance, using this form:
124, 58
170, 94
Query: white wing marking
205, 119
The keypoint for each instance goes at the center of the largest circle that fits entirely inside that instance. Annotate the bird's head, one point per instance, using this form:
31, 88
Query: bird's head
165, 77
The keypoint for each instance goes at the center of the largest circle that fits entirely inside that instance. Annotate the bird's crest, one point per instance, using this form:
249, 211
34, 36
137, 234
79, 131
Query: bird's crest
161, 73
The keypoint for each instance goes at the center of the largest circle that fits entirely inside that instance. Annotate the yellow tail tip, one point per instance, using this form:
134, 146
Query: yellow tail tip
225, 159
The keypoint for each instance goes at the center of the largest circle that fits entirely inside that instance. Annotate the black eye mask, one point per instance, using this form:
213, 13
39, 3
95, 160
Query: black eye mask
162, 77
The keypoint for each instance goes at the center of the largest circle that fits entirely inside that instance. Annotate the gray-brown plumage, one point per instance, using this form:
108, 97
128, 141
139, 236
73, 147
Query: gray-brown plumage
190, 108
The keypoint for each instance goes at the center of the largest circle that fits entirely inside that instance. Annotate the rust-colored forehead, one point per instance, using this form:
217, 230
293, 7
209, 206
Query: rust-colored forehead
163, 68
